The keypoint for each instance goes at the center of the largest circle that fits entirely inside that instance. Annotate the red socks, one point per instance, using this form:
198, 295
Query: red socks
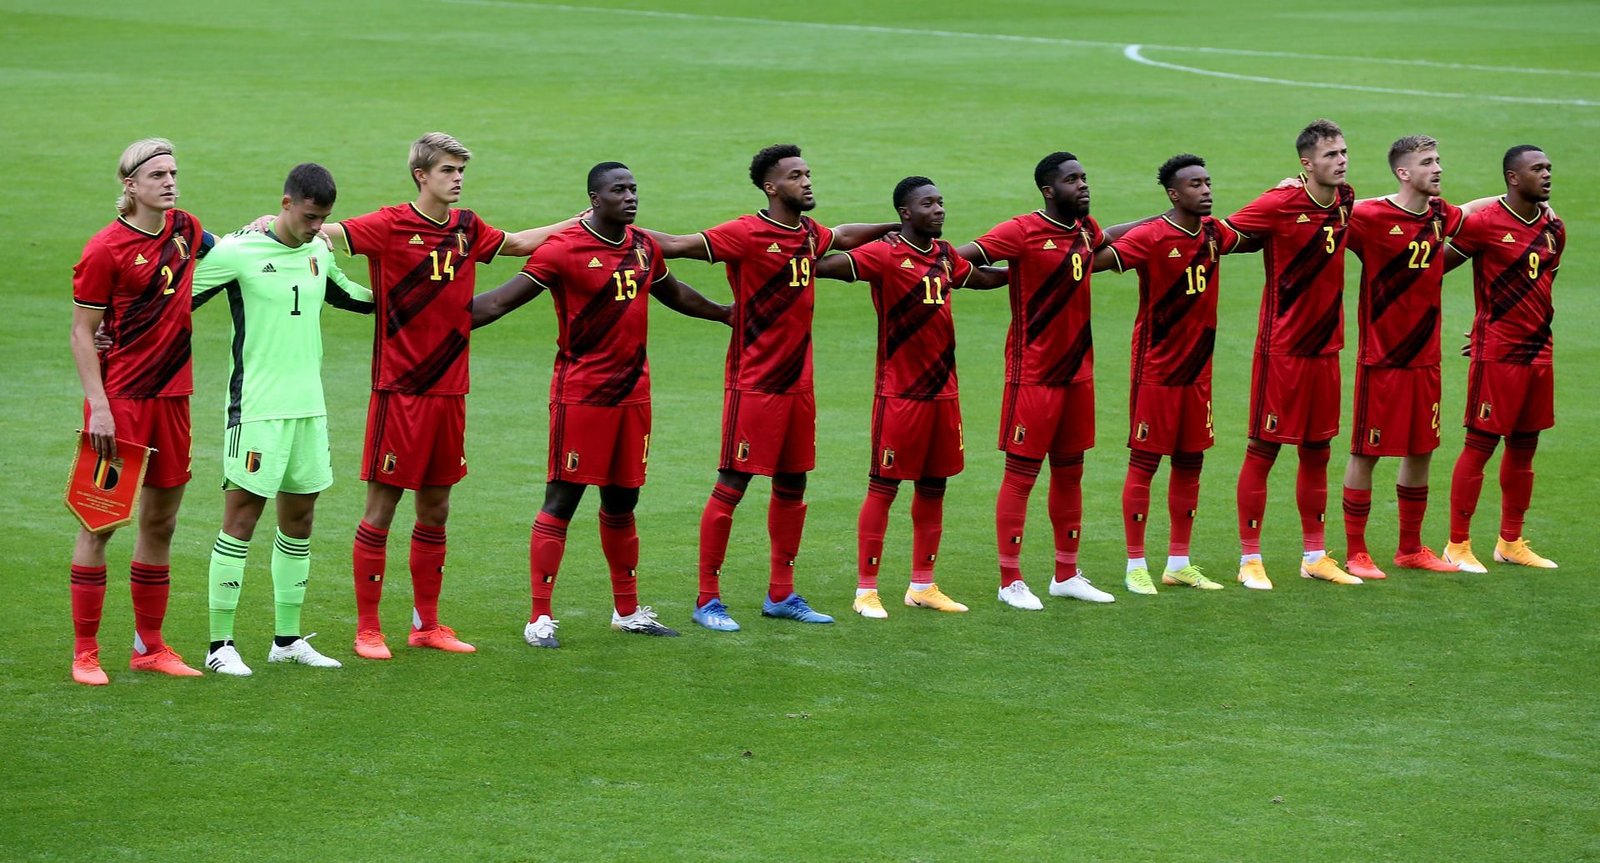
1466, 482
1357, 506
927, 527
1516, 483
1066, 511
871, 526
619, 540
88, 598
149, 585
786, 521
545, 548
1011, 513
1136, 499
1311, 494
427, 572
715, 523
1413, 506
1252, 494
1183, 500
369, 558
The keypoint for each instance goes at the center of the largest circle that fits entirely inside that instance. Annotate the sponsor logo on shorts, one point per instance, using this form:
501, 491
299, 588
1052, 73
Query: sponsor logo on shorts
252, 461
886, 458
1142, 432
106, 473
743, 453
1019, 433
1374, 436
390, 461
572, 459
1484, 410
1272, 422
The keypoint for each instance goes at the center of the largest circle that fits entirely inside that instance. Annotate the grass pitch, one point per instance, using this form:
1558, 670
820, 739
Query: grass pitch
1425, 718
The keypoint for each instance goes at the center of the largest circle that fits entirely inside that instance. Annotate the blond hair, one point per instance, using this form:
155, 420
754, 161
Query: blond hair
133, 158
429, 148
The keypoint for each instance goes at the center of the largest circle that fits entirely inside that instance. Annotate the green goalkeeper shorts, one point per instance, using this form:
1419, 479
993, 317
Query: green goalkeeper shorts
265, 457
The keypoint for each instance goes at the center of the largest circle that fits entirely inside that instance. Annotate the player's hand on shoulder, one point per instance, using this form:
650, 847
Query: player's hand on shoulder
102, 339
1291, 183
259, 226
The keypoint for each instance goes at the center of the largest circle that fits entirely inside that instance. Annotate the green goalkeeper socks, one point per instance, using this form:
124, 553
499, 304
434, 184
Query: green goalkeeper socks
291, 569
227, 577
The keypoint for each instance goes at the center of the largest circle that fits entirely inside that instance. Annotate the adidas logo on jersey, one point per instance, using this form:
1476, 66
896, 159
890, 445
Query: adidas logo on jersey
269, 269
1049, 244
1174, 253
774, 248
594, 263
906, 264
1395, 231
416, 240
1303, 219
1508, 238
139, 259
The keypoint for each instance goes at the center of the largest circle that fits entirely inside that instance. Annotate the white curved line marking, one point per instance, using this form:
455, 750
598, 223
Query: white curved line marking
1133, 52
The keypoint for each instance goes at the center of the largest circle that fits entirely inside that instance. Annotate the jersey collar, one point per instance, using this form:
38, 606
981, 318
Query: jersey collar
141, 231
431, 220
1306, 187
598, 236
1502, 200
1186, 231
763, 215
1072, 227
1389, 199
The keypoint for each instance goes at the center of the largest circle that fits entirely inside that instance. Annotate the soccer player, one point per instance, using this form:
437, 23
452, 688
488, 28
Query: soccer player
1178, 257
916, 414
1048, 408
1294, 389
422, 258
600, 274
769, 414
1400, 240
276, 440
136, 277
1515, 246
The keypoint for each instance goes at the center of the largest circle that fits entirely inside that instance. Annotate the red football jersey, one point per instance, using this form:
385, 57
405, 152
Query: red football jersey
774, 295
1514, 265
911, 290
144, 283
1176, 330
423, 277
1050, 341
1402, 271
1302, 303
601, 292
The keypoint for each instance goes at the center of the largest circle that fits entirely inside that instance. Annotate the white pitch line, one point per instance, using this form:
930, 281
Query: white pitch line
1033, 40
1133, 52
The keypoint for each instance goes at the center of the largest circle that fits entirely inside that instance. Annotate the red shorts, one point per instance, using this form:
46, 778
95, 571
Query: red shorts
916, 438
415, 440
769, 433
1503, 398
1294, 399
1170, 419
162, 424
1038, 420
1396, 411
599, 445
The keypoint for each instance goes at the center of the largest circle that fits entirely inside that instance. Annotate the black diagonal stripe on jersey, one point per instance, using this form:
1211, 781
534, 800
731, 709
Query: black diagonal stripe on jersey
1512, 286
1320, 333
409, 296
1194, 362
1424, 333
594, 322
620, 385
1067, 367
1170, 308
1528, 348
422, 377
786, 373
1302, 270
1052, 297
769, 302
933, 379
146, 309
155, 375
910, 314
1396, 277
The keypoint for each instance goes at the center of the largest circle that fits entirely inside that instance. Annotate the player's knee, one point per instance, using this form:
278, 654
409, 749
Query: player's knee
736, 480
1522, 440
561, 499
792, 483
931, 486
1188, 460
618, 500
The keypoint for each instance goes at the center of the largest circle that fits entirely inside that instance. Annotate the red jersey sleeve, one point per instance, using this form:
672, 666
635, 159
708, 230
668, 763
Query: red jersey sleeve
364, 235
866, 263
1230, 239
961, 269
93, 277
1469, 239
1133, 248
1360, 223
544, 265
1002, 243
824, 239
1097, 236
488, 240
658, 259
1258, 216
1454, 218
727, 241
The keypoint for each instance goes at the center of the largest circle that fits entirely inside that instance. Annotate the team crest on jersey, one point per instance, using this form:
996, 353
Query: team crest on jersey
811, 244
1085, 235
1174, 253
644, 262
1550, 241
1395, 231
313, 261
1212, 245
252, 461
1374, 436
1508, 238
774, 248
416, 240
906, 264
886, 459
1343, 213
1272, 422
1142, 433
183, 246
945, 263
389, 462
1485, 410
138, 260
572, 459
461, 243
1302, 219
594, 263
1438, 230
1049, 244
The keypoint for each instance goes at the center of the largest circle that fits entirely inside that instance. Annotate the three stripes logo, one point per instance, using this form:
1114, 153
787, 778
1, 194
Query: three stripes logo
269, 269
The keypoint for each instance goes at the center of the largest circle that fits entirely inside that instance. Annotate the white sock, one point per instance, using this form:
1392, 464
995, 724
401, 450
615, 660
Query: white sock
1314, 556
863, 591
1177, 562
1249, 558
1136, 563
921, 586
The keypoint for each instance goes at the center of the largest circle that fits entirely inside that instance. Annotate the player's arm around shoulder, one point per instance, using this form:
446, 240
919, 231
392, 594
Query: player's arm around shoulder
523, 243
855, 235
681, 245
341, 292
839, 267
218, 269
685, 300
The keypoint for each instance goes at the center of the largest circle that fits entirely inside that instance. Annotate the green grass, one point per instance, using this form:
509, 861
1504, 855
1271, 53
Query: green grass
1425, 718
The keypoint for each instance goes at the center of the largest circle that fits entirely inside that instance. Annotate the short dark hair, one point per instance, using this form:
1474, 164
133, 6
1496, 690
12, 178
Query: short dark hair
1171, 167
1410, 144
1512, 154
1049, 166
904, 188
1315, 133
598, 172
310, 181
768, 158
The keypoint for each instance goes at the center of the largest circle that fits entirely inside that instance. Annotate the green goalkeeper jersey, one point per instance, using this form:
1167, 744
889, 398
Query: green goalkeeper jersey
275, 294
